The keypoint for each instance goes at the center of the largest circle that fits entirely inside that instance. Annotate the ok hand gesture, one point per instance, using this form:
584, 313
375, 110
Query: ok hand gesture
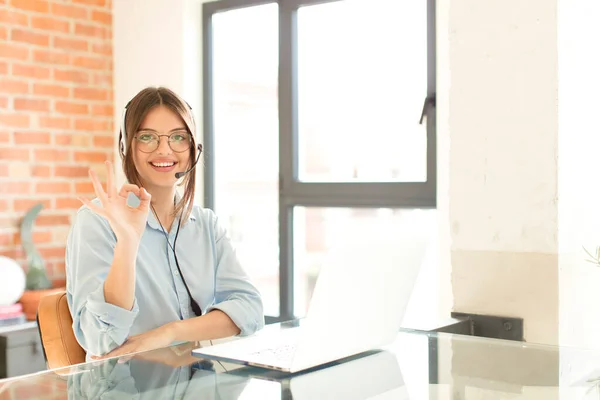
127, 222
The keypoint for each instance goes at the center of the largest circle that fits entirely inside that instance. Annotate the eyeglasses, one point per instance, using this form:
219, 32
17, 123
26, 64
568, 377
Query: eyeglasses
179, 141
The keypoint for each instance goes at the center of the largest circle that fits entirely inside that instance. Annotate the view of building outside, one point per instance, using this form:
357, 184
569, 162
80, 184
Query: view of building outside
362, 79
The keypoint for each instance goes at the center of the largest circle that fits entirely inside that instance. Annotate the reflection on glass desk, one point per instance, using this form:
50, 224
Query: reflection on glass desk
418, 365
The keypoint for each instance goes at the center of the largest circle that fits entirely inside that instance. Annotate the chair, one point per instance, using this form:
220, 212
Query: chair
61, 349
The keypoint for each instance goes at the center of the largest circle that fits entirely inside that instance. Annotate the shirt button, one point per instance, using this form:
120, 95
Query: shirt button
176, 273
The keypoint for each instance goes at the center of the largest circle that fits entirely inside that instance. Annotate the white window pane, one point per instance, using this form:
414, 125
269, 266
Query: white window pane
246, 141
362, 68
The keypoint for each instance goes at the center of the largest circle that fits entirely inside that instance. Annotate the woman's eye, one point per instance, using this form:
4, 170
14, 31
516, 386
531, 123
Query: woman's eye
179, 137
146, 138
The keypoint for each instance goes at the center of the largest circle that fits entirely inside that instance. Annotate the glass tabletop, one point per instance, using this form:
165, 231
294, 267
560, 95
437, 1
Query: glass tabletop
417, 365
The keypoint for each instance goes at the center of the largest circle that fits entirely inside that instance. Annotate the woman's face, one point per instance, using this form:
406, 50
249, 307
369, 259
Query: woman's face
157, 162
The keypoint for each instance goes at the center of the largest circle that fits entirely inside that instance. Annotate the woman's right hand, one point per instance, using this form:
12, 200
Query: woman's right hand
127, 222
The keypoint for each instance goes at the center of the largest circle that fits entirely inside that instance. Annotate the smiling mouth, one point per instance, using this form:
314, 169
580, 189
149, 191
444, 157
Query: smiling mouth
163, 164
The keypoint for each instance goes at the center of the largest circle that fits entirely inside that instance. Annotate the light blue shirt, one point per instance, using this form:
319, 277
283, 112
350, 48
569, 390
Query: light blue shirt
207, 260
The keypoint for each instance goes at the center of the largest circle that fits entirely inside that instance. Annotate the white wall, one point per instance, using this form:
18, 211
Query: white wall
158, 42
579, 167
498, 143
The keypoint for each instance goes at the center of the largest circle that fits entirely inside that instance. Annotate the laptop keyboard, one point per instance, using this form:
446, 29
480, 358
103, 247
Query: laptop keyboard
283, 353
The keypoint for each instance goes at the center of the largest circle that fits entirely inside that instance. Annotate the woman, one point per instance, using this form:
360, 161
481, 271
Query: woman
145, 266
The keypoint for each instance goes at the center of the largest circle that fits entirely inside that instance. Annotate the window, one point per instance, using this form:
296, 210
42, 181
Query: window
319, 117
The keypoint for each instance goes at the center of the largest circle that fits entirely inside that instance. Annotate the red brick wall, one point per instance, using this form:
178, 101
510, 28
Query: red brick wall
56, 107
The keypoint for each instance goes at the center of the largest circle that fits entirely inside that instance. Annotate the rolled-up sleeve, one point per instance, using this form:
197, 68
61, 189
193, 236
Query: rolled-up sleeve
235, 294
98, 326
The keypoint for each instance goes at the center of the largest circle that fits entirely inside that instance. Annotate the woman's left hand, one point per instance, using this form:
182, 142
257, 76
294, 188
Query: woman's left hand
151, 340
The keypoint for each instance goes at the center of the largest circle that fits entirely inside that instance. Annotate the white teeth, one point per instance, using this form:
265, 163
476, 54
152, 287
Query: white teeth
163, 164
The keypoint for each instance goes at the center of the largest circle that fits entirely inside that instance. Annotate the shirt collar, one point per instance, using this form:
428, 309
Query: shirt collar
153, 222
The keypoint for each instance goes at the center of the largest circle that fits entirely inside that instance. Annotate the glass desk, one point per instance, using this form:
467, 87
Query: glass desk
418, 365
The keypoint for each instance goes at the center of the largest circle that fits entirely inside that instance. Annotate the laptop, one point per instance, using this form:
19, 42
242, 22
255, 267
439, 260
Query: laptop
358, 304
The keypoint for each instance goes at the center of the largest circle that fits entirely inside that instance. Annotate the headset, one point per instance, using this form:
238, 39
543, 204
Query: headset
122, 138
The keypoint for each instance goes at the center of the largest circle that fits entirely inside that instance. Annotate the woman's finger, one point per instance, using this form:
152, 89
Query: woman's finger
144, 200
92, 206
98, 188
110, 185
129, 188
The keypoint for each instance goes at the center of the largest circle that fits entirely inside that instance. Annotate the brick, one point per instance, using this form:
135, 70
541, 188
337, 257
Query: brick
66, 107
102, 17
3, 170
3, 33
54, 122
90, 156
103, 110
50, 155
102, 48
14, 154
40, 6
19, 170
91, 125
50, 24
50, 57
15, 187
72, 140
51, 90
3, 102
93, 31
71, 76
59, 280
3, 68
21, 35
15, 52
25, 204
48, 252
38, 237
32, 138
91, 62
6, 240
53, 187
12, 17
4, 206
69, 11
98, 3
40, 171
104, 141
85, 188
63, 171
102, 80
14, 86
4, 137
68, 203
61, 235
16, 254
14, 120
70, 44
52, 220
28, 104
31, 71
90, 93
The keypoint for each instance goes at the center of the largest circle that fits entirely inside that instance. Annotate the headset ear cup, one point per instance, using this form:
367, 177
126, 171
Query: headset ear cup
121, 145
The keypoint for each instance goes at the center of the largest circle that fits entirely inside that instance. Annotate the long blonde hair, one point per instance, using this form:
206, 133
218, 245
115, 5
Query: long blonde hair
137, 109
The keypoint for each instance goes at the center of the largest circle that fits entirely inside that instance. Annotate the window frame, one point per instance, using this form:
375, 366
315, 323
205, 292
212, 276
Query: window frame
292, 191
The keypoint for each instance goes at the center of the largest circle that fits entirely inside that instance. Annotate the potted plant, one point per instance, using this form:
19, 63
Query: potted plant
37, 284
